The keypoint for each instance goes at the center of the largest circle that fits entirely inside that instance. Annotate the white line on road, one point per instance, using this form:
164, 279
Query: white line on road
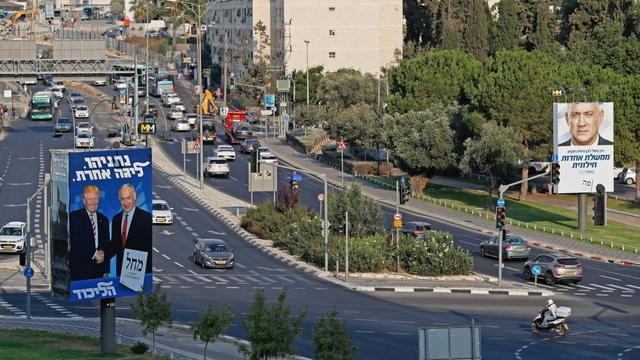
466, 242
399, 333
233, 287
624, 289
597, 344
400, 321
506, 267
633, 286
609, 277
234, 179
585, 287
603, 287
177, 263
193, 272
372, 320
363, 331
580, 294
602, 294
166, 257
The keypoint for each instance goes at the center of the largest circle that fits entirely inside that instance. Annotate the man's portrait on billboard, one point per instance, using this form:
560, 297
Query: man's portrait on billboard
584, 120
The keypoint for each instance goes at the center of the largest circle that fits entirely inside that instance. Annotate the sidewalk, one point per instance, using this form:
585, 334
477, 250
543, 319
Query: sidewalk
543, 240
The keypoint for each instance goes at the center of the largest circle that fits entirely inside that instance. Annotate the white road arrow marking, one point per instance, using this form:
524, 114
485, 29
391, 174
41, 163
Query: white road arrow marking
189, 209
166, 232
216, 232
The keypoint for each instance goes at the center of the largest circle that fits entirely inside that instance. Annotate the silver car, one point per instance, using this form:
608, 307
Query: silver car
513, 247
555, 268
213, 253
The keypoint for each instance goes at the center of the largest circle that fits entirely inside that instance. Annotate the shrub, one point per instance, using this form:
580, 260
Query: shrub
139, 348
366, 254
264, 221
435, 255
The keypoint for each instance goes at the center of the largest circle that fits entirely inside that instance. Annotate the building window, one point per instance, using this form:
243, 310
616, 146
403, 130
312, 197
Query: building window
332, 32
332, 8
332, 55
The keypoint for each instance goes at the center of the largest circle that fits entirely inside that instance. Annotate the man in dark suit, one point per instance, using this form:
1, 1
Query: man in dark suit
584, 120
130, 228
89, 238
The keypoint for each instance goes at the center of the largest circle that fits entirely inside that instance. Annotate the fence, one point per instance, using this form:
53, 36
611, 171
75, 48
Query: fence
133, 50
481, 213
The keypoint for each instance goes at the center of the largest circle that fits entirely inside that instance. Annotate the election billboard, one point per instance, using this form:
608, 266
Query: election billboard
583, 146
108, 197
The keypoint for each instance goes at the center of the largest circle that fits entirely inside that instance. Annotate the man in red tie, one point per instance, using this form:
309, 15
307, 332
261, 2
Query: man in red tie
89, 238
130, 228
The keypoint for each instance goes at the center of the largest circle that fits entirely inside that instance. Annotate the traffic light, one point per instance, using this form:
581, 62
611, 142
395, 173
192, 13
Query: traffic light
232, 82
555, 173
599, 206
405, 190
255, 165
501, 216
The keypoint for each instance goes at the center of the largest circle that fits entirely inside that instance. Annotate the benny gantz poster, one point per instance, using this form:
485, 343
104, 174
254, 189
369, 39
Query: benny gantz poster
583, 146
110, 231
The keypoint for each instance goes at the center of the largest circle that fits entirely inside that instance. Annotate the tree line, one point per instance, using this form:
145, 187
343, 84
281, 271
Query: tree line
470, 73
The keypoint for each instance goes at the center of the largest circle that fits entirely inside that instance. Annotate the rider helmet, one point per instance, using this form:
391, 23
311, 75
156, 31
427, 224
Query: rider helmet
549, 303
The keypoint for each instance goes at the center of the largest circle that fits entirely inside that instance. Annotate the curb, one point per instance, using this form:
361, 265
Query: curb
310, 269
583, 255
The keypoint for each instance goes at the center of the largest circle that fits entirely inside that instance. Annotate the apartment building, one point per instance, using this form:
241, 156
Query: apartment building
361, 34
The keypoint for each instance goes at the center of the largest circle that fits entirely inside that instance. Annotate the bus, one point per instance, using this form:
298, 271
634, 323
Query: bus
42, 106
160, 81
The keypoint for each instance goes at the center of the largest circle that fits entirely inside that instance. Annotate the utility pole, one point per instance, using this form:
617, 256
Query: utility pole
134, 104
146, 69
307, 44
200, 91
173, 37
224, 81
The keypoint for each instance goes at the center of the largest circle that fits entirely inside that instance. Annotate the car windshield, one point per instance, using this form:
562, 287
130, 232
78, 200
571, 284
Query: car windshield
216, 248
81, 108
568, 261
78, 101
160, 206
84, 136
11, 231
422, 227
514, 241
64, 121
225, 148
83, 125
217, 161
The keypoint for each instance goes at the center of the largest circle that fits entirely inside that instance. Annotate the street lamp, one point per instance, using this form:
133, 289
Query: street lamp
306, 42
199, 16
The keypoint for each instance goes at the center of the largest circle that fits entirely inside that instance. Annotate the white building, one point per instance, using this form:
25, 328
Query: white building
360, 34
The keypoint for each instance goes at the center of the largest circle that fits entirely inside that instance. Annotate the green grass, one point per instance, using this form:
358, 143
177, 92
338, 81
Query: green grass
539, 215
22, 344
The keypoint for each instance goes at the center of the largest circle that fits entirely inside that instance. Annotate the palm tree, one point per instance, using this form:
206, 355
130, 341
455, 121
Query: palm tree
139, 8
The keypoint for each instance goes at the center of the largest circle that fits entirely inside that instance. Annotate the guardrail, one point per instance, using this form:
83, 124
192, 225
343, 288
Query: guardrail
481, 213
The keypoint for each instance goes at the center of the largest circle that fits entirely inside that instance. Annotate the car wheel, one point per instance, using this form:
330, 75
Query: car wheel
204, 266
549, 279
483, 252
526, 274
629, 181
195, 259
575, 282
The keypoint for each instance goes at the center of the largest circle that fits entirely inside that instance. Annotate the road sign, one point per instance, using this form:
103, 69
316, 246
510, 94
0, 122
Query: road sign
320, 197
397, 220
269, 101
500, 202
341, 145
146, 128
28, 272
397, 216
536, 270
7, 94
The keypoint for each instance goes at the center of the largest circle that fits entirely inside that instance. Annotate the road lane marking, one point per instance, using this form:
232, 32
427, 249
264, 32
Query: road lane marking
609, 277
603, 287
203, 278
233, 287
177, 263
633, 286
399, 333
398, 321
193, 272
580, 294
585, 287
506, 267
624, 289
466, 242
166, 257
602, 294
597, 344
363, 331
370, 320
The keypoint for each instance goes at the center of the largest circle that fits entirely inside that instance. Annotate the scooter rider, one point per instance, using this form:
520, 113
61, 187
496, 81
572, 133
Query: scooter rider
549, 312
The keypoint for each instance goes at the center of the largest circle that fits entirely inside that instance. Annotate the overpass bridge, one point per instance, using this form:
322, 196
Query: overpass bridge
72, 60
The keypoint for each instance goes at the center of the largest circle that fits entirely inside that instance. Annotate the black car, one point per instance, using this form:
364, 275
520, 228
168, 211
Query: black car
47, 79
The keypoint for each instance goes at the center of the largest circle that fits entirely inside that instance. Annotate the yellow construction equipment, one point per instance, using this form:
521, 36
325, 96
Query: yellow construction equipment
207, 100
17, 16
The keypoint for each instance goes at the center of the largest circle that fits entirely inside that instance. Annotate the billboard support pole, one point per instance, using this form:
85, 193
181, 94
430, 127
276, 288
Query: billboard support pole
108, 326
582, 212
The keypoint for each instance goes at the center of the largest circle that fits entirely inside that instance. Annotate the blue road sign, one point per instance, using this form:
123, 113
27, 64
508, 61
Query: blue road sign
554, 157
500, 202
536, 270
269, 101
28, 272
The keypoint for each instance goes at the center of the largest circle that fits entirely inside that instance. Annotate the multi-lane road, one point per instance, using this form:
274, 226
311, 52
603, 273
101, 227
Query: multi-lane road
384, 325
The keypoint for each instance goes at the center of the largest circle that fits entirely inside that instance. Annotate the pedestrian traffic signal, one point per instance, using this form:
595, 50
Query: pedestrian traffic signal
405, 190
555, 173
501, 216
232, 82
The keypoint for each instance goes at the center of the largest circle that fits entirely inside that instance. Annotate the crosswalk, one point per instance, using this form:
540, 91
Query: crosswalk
41, 305
623, 290
194, 280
